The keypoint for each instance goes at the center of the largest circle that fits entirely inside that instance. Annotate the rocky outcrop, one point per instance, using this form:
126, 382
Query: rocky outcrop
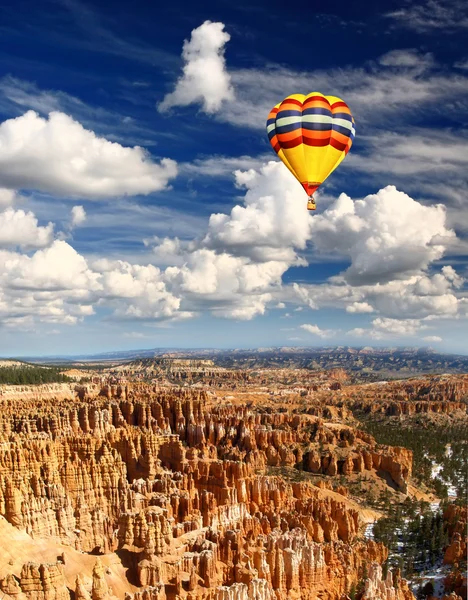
456, 518
439, 394
390, 588
36, 582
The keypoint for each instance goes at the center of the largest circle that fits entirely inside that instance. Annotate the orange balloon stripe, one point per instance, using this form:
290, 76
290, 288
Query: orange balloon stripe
274, 142
339, 137
315, 102
288, 137
340, 105
309, 134
290, 105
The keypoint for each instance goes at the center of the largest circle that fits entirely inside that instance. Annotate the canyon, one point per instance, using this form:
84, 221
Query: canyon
207, 484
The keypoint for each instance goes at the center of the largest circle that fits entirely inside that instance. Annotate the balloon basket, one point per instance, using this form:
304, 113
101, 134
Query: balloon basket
311, 203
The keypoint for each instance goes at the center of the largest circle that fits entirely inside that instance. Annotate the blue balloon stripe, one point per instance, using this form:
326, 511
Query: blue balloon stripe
288, 113
345, 116
288, 128
317, 126
344, 130
317, 111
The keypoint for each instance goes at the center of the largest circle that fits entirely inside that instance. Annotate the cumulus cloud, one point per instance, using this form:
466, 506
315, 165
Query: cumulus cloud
432, 338
78, 216
138, 291
20, 228
204, 78
315, 330
236, 269
419, 296
58, 285
386, 328
359, 307
382, 235
59, 156
245, 254
58, 267
229, 286
53, 285
272, 223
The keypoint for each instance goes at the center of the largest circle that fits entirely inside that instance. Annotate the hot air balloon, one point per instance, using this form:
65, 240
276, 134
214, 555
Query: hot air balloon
311, 134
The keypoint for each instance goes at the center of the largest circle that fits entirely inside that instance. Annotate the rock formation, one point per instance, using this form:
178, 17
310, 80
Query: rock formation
180, 491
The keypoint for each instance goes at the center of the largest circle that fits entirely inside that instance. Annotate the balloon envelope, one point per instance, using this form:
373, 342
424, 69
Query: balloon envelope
311, 134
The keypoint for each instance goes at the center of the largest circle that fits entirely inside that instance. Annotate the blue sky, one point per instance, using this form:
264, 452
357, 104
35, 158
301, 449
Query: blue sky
141, 204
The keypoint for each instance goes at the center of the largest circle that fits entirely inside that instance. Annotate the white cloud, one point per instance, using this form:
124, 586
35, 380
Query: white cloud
419, 152
78, 216
204, 78
7, 197
382, 235
59, 156
418, 296
315, 330
432, 16
58, 267
273, 221
229, 286
432, 338
409, 58
237, 267
235, 270
58, 285
53, 285
397, 326
359, 307
20, 228
386, 328
137, 291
